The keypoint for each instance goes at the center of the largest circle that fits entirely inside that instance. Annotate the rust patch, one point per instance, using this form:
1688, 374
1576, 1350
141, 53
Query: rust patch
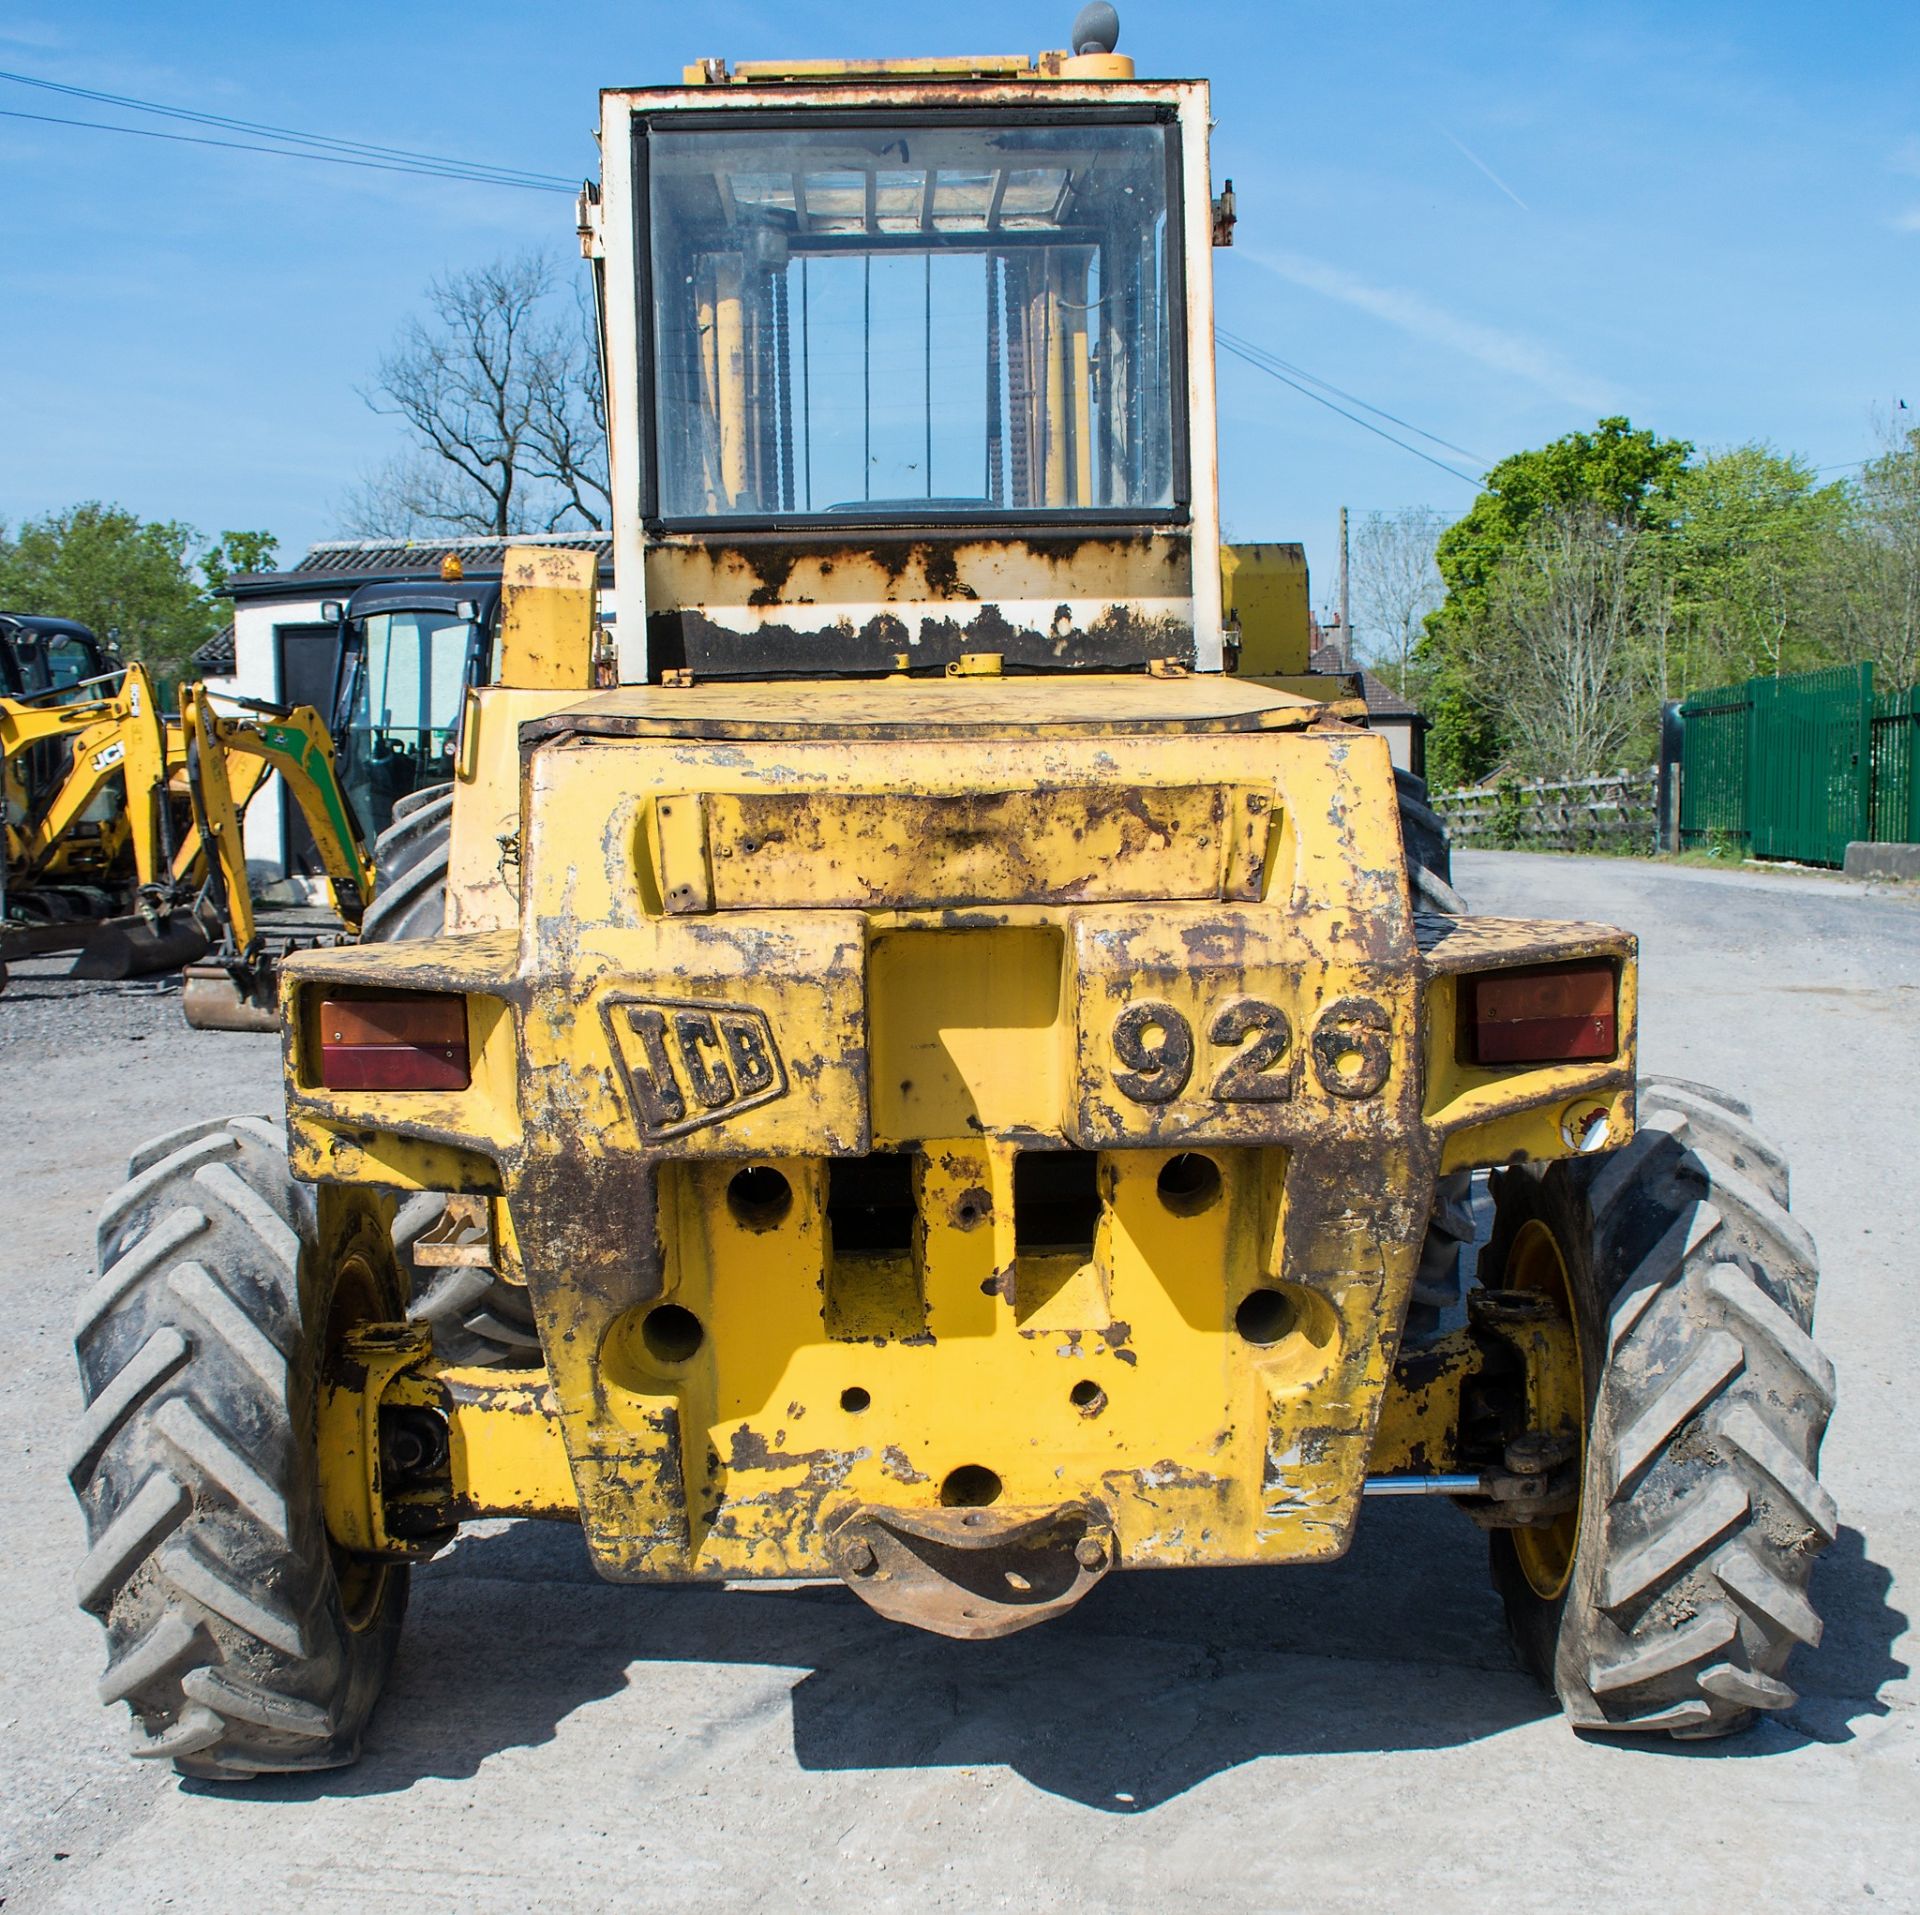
1119, 639
748, 1450
971, 1208
893, 1459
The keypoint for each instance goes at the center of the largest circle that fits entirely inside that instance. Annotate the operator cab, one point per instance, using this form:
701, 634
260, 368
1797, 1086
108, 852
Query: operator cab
50, 661
49, 658
888, 320
900, 369
409, 653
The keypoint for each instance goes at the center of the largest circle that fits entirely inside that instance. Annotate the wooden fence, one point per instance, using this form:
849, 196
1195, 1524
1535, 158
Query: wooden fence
1613, 813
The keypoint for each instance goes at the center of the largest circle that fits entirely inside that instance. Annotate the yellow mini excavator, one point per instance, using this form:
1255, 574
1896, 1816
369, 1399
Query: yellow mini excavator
123, 834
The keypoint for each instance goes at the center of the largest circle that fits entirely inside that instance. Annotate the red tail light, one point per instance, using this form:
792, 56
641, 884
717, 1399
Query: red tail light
1541, 1014
411, 1040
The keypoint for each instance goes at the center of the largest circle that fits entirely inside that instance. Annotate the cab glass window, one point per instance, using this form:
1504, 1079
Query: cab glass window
914, 321
70, 661
405, 708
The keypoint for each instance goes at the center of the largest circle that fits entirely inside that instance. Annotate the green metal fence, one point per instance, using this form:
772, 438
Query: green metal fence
1896, 767
1800, 767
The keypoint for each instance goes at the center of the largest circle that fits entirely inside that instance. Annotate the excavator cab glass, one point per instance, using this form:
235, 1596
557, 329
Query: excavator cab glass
42, 656
50, 661
942, 316
409, 654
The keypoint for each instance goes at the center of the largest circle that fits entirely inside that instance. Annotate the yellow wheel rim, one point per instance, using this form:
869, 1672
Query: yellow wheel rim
356, 1299
1545, 1553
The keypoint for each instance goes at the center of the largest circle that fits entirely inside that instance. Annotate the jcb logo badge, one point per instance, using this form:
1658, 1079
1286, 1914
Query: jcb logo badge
108, 756
688, 1064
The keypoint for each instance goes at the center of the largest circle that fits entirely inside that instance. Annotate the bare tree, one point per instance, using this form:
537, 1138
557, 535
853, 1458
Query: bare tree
567, 441
500, 394
1561, 655
1395, 584
1876, 570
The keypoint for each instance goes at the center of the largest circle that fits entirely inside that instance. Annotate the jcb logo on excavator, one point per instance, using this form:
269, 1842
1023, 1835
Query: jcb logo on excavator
687, 1064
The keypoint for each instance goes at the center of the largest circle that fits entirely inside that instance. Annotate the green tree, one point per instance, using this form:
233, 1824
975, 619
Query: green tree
235, 552
1614, 475
1875, 569
1745, 562
129, 579
1560, 659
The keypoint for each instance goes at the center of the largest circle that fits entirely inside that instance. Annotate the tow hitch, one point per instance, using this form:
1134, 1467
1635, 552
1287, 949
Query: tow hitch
973, 1573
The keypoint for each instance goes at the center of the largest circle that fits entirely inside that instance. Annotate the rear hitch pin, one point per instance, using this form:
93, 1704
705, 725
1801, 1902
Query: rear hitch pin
1423, 1486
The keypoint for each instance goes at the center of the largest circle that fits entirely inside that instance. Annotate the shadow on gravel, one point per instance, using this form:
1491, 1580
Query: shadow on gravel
1841, 1681
1158, 1682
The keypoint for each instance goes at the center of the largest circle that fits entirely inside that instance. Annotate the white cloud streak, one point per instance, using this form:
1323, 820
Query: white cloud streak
1502, 352
1471, 155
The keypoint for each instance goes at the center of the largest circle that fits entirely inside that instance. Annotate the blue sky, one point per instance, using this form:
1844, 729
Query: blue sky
1498, 221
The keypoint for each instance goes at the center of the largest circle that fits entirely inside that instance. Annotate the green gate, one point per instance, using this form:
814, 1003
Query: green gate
1800, 767
1896, 767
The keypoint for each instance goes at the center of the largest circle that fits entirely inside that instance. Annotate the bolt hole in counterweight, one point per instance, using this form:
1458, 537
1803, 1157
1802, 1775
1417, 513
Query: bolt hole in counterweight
855, 1400
971, 1486
672, 1333
1265, 1316
759, 1197
1087, 1397
1189, 1183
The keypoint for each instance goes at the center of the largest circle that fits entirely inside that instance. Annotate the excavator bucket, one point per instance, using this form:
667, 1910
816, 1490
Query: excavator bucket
220, 997
119, 948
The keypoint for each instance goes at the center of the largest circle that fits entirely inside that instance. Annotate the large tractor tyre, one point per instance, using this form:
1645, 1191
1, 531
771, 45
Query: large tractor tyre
1672, 1600
410, 870
241, 1638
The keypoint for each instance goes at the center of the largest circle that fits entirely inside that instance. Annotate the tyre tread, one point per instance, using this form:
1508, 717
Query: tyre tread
1703, 1510
208, 1560
411, 861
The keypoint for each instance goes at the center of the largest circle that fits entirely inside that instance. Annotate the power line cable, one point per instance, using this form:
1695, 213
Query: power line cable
1241, 352
289, 153
333, 141
1327, 385
366, 156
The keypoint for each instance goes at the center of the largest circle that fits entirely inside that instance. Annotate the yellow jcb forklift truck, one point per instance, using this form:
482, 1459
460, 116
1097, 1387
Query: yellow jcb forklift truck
957, 1074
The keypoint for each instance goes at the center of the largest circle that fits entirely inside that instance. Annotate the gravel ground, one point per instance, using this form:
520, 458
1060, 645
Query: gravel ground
1351, 1737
